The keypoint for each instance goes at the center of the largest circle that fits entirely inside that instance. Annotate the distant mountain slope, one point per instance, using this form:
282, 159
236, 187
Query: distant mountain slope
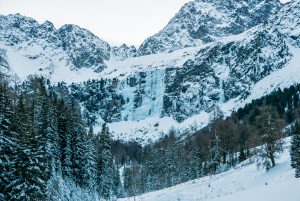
83, 47
70, 45
203, 21
123, 52
230, 72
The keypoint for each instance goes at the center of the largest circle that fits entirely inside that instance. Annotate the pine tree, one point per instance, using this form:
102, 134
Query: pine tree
194, 163
30, 165
243, 143
214, 157
64, 140
117, 186
171, 163
76, 130
54, 143
89, 175
6, 145
151, 171
295, 149
271, 133
105, 164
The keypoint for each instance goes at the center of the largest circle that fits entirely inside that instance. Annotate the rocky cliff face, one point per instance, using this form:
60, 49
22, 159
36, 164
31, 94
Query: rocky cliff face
132, 90
83, 47
76, 46
223, 71
203, 21
219, 71
123, 52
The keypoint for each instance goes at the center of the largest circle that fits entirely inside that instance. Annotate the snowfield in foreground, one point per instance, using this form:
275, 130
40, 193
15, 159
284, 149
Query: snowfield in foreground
243, 183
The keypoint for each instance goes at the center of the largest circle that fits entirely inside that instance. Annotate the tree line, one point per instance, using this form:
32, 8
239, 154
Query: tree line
48, 151
45, 146
255, 130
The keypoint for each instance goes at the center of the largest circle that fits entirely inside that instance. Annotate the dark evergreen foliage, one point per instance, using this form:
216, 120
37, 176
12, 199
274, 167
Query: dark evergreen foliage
295, 149
43, 136
221, 145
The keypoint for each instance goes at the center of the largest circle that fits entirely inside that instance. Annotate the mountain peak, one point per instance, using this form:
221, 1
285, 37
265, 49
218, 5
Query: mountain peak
203, 21
123, 52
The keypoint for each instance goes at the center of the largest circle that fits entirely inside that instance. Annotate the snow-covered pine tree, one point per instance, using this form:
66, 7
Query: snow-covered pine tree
46, 130
171, 165
117, 185
76, 130
105, 164
54, 143
194, 168
89, 174
64, 139
151, 170
7, 147
271, 133
295, 149
214, 155
6, 109
29, 161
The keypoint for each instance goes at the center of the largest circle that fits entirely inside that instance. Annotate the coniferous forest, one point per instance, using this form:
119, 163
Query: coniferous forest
48, 151
194, 100
220, 146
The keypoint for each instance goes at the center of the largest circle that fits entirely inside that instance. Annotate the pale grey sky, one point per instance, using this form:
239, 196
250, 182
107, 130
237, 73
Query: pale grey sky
116, 21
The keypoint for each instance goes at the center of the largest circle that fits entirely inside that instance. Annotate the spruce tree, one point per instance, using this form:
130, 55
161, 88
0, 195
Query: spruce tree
295, 149
271, 133
54, 143
89, 174
214, 157
105, 164
7, 147
76, 130
29, 161
64, 139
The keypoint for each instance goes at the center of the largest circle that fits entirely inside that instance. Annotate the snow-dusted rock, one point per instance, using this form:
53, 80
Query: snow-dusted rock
142, 97
123, 52
69, 46
203, 21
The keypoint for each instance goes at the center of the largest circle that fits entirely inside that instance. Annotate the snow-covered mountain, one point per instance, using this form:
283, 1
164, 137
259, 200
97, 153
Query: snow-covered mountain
123, 52
183, 85
83, 47
203, 21
142, 97
69, 46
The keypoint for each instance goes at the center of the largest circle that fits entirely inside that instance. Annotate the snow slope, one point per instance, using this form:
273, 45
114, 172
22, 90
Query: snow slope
243, 183
150, 129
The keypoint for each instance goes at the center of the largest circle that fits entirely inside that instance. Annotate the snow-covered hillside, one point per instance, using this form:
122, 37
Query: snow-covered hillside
242, 183
150, 129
